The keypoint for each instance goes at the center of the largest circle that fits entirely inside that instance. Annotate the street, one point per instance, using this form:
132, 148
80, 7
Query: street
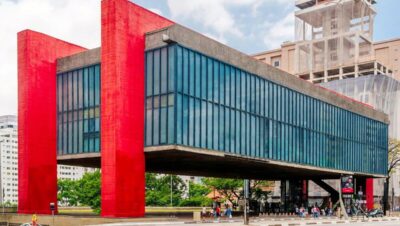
375, 222
387, 223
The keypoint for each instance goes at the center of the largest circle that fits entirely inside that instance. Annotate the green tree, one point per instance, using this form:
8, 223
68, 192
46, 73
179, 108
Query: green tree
232, 189
85, 191
67, 192
257, 193
394, 162
89, 190
197, 195
158, 190
229, 188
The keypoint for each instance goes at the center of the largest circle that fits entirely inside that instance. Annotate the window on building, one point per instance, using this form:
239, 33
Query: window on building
276, 63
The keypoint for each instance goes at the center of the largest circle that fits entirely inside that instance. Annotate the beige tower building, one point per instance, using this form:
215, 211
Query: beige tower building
334, 41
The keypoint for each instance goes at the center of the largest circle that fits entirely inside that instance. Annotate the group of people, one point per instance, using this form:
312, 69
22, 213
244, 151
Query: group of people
315, 210
216, 211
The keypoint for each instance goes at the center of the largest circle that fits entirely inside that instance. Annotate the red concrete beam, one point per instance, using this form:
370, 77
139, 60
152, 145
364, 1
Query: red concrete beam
37, 147
369, 193
124, 25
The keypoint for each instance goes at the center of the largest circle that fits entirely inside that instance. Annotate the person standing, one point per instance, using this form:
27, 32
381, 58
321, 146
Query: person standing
228, 212
315, 211
203, 213
217, 212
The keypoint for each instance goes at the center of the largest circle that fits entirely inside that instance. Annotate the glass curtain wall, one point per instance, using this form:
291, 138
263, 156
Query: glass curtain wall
195, 100
78, 111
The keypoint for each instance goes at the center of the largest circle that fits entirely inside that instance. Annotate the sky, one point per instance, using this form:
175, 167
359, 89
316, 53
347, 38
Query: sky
250, 26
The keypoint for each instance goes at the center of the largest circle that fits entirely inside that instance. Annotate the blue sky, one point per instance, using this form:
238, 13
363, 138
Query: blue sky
256, 26
387, 23
250, 26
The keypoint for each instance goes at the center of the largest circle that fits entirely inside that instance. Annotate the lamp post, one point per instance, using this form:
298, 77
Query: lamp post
171, 190
246, 204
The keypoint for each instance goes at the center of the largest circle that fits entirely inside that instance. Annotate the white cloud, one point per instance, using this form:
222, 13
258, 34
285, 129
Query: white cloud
78, 22
157, 11
276, 33
75, 21
221, 20
219, 39
213, 14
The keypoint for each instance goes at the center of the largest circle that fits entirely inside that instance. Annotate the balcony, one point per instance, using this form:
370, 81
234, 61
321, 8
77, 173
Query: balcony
302, 4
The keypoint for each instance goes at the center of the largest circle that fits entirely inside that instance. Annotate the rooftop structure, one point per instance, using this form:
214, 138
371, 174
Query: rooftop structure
334, 41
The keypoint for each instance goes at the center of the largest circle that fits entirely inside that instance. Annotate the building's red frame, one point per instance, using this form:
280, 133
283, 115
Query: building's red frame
124, 25
37, 147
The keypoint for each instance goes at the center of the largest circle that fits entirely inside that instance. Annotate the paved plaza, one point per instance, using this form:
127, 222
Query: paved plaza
387, 221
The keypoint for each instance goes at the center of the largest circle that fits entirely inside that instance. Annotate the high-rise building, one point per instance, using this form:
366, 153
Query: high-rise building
8, 159
334, 41
72, 172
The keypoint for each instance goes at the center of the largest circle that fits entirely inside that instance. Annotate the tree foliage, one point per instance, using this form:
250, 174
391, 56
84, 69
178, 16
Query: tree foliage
257, 192
232, 189
197, 195
85, 191
89, 187
158, 190
393, 155
229, 188
67, 193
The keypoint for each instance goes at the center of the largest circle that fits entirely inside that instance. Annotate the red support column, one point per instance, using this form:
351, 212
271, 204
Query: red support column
124, 25
369, 193
37, 147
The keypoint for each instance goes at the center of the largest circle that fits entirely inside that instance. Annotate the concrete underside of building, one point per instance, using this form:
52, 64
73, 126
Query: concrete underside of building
197, 162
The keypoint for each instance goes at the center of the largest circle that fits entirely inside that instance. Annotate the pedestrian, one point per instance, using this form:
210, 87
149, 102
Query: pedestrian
330, 207
228, 211
296, 210
302, 211
214, 209
217, 212
203, 213
315, 211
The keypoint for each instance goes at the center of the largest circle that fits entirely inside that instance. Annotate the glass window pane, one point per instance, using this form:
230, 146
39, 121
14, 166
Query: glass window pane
156, 72
164, 68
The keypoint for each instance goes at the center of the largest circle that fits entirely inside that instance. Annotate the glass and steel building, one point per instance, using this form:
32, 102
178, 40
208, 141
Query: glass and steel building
78, 110
198, 101
162, 98
381, 91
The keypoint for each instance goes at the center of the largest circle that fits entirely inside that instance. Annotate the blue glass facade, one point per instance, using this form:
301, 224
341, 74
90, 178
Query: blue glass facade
78, 111
197, 101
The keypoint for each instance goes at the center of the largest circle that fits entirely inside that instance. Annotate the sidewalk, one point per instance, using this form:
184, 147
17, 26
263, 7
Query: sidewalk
322, 220
263, 222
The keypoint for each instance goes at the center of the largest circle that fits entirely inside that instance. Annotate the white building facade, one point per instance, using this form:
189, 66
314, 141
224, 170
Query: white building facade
8, 159
9, 162
72, 172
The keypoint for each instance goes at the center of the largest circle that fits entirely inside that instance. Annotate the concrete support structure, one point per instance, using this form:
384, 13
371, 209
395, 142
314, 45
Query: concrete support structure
369, 193
37, 156
122, 102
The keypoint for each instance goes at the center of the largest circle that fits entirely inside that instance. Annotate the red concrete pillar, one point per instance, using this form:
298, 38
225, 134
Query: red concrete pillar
123, 28
37, 147
369, 193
